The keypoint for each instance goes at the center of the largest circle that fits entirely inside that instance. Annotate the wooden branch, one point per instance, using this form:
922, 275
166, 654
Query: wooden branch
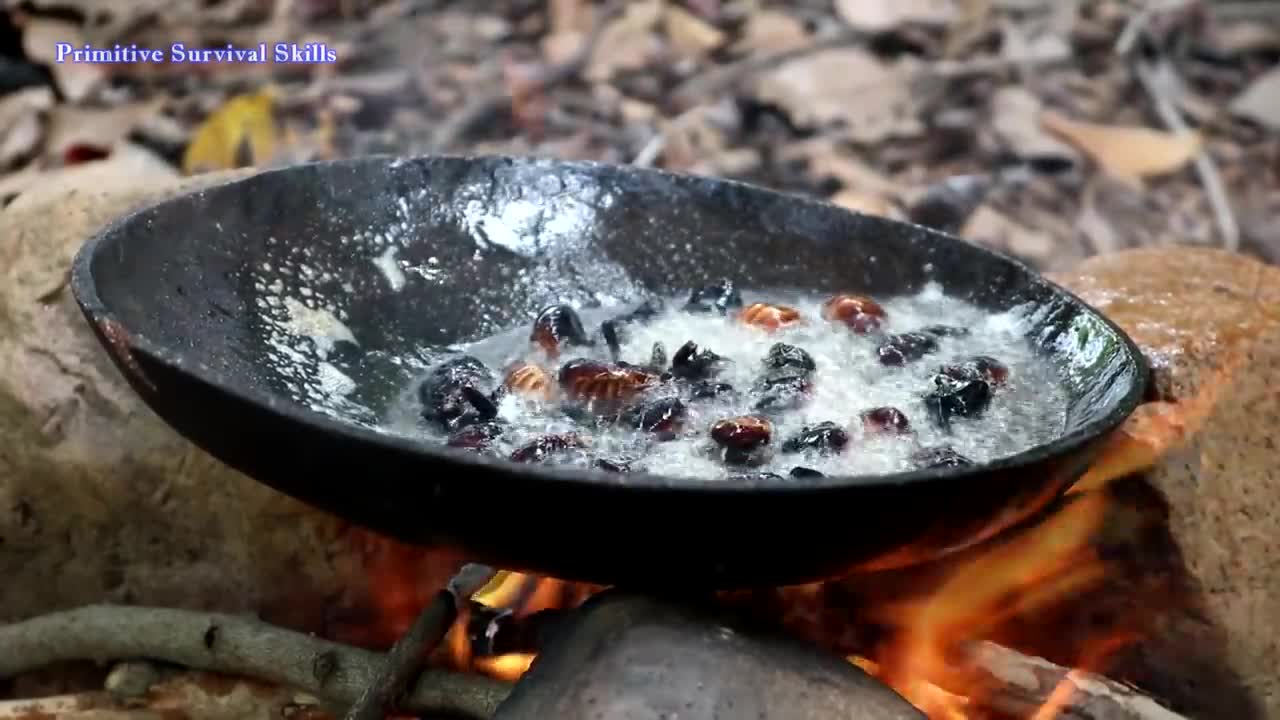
235, 646
408, 657
1019, 685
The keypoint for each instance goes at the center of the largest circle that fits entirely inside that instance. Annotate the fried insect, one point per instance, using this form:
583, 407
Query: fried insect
664, 417
742, 440
824, 438
905, 347
592, 381
557, 327
543, 448
530, 381
939, 457
718, 298
966, 396
614, 330
885, 421
985, 367
782, 355
857, 312
451, 393
475, 437
694, 363
768, 316
706, 389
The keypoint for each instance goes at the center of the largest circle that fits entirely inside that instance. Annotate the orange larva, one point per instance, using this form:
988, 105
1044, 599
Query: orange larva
768, 316
529, 380
859, 312
588, 380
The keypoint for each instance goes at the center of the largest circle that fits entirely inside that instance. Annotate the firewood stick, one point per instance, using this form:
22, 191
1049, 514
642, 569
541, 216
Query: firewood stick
1021, 684
408, 657
234, 646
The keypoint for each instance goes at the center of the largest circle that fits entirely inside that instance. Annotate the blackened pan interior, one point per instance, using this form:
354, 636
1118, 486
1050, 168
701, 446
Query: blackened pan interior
486, 242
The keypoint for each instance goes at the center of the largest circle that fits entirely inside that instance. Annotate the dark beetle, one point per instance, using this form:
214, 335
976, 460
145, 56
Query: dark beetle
558, 326
452, 394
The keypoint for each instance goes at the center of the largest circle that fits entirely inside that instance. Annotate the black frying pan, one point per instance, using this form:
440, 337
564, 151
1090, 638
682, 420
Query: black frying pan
178, 293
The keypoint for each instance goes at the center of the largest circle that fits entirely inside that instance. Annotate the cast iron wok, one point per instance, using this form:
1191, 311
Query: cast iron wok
189, 297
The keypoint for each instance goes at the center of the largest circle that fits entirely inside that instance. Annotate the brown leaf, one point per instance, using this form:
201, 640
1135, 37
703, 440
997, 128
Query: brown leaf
1260, 102
771, 31
881, 15
848, 91
690, 35
1128, 153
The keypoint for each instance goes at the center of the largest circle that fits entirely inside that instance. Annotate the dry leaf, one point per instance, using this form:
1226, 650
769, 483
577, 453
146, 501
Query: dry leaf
567, 16
865, 203
881, 15
243, 132
848, 91
559, 48
71, 126
1127, 153
994, 229
21, 123
771, 31
636, 111
1015, 120
626, 43
40, 37
690, 35
1260, 102
826, 160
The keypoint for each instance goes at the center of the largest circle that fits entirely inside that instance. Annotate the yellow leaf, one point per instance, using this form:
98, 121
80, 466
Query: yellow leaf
1125, 152
243, 132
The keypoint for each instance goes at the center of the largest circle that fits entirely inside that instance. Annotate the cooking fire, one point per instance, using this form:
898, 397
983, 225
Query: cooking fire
1024, 626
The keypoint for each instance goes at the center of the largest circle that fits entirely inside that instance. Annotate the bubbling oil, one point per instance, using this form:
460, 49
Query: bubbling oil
1027, 410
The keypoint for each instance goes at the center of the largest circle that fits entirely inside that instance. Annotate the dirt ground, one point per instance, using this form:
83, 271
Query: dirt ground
1049, 129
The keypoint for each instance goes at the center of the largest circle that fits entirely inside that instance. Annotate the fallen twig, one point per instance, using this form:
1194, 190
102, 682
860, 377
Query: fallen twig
484, 106
1214, 191
1023, 685
408, 657
234, 646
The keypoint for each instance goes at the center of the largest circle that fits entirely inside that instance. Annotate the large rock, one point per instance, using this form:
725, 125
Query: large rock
99, 499
1209, 322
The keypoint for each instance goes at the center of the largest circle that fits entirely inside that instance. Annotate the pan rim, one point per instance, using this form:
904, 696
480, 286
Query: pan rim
84, 289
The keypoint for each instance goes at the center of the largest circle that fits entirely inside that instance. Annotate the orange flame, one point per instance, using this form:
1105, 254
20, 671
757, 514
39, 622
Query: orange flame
919, 629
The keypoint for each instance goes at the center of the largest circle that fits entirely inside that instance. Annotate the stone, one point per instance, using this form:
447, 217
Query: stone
625, 657
1209, 323
100, 501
